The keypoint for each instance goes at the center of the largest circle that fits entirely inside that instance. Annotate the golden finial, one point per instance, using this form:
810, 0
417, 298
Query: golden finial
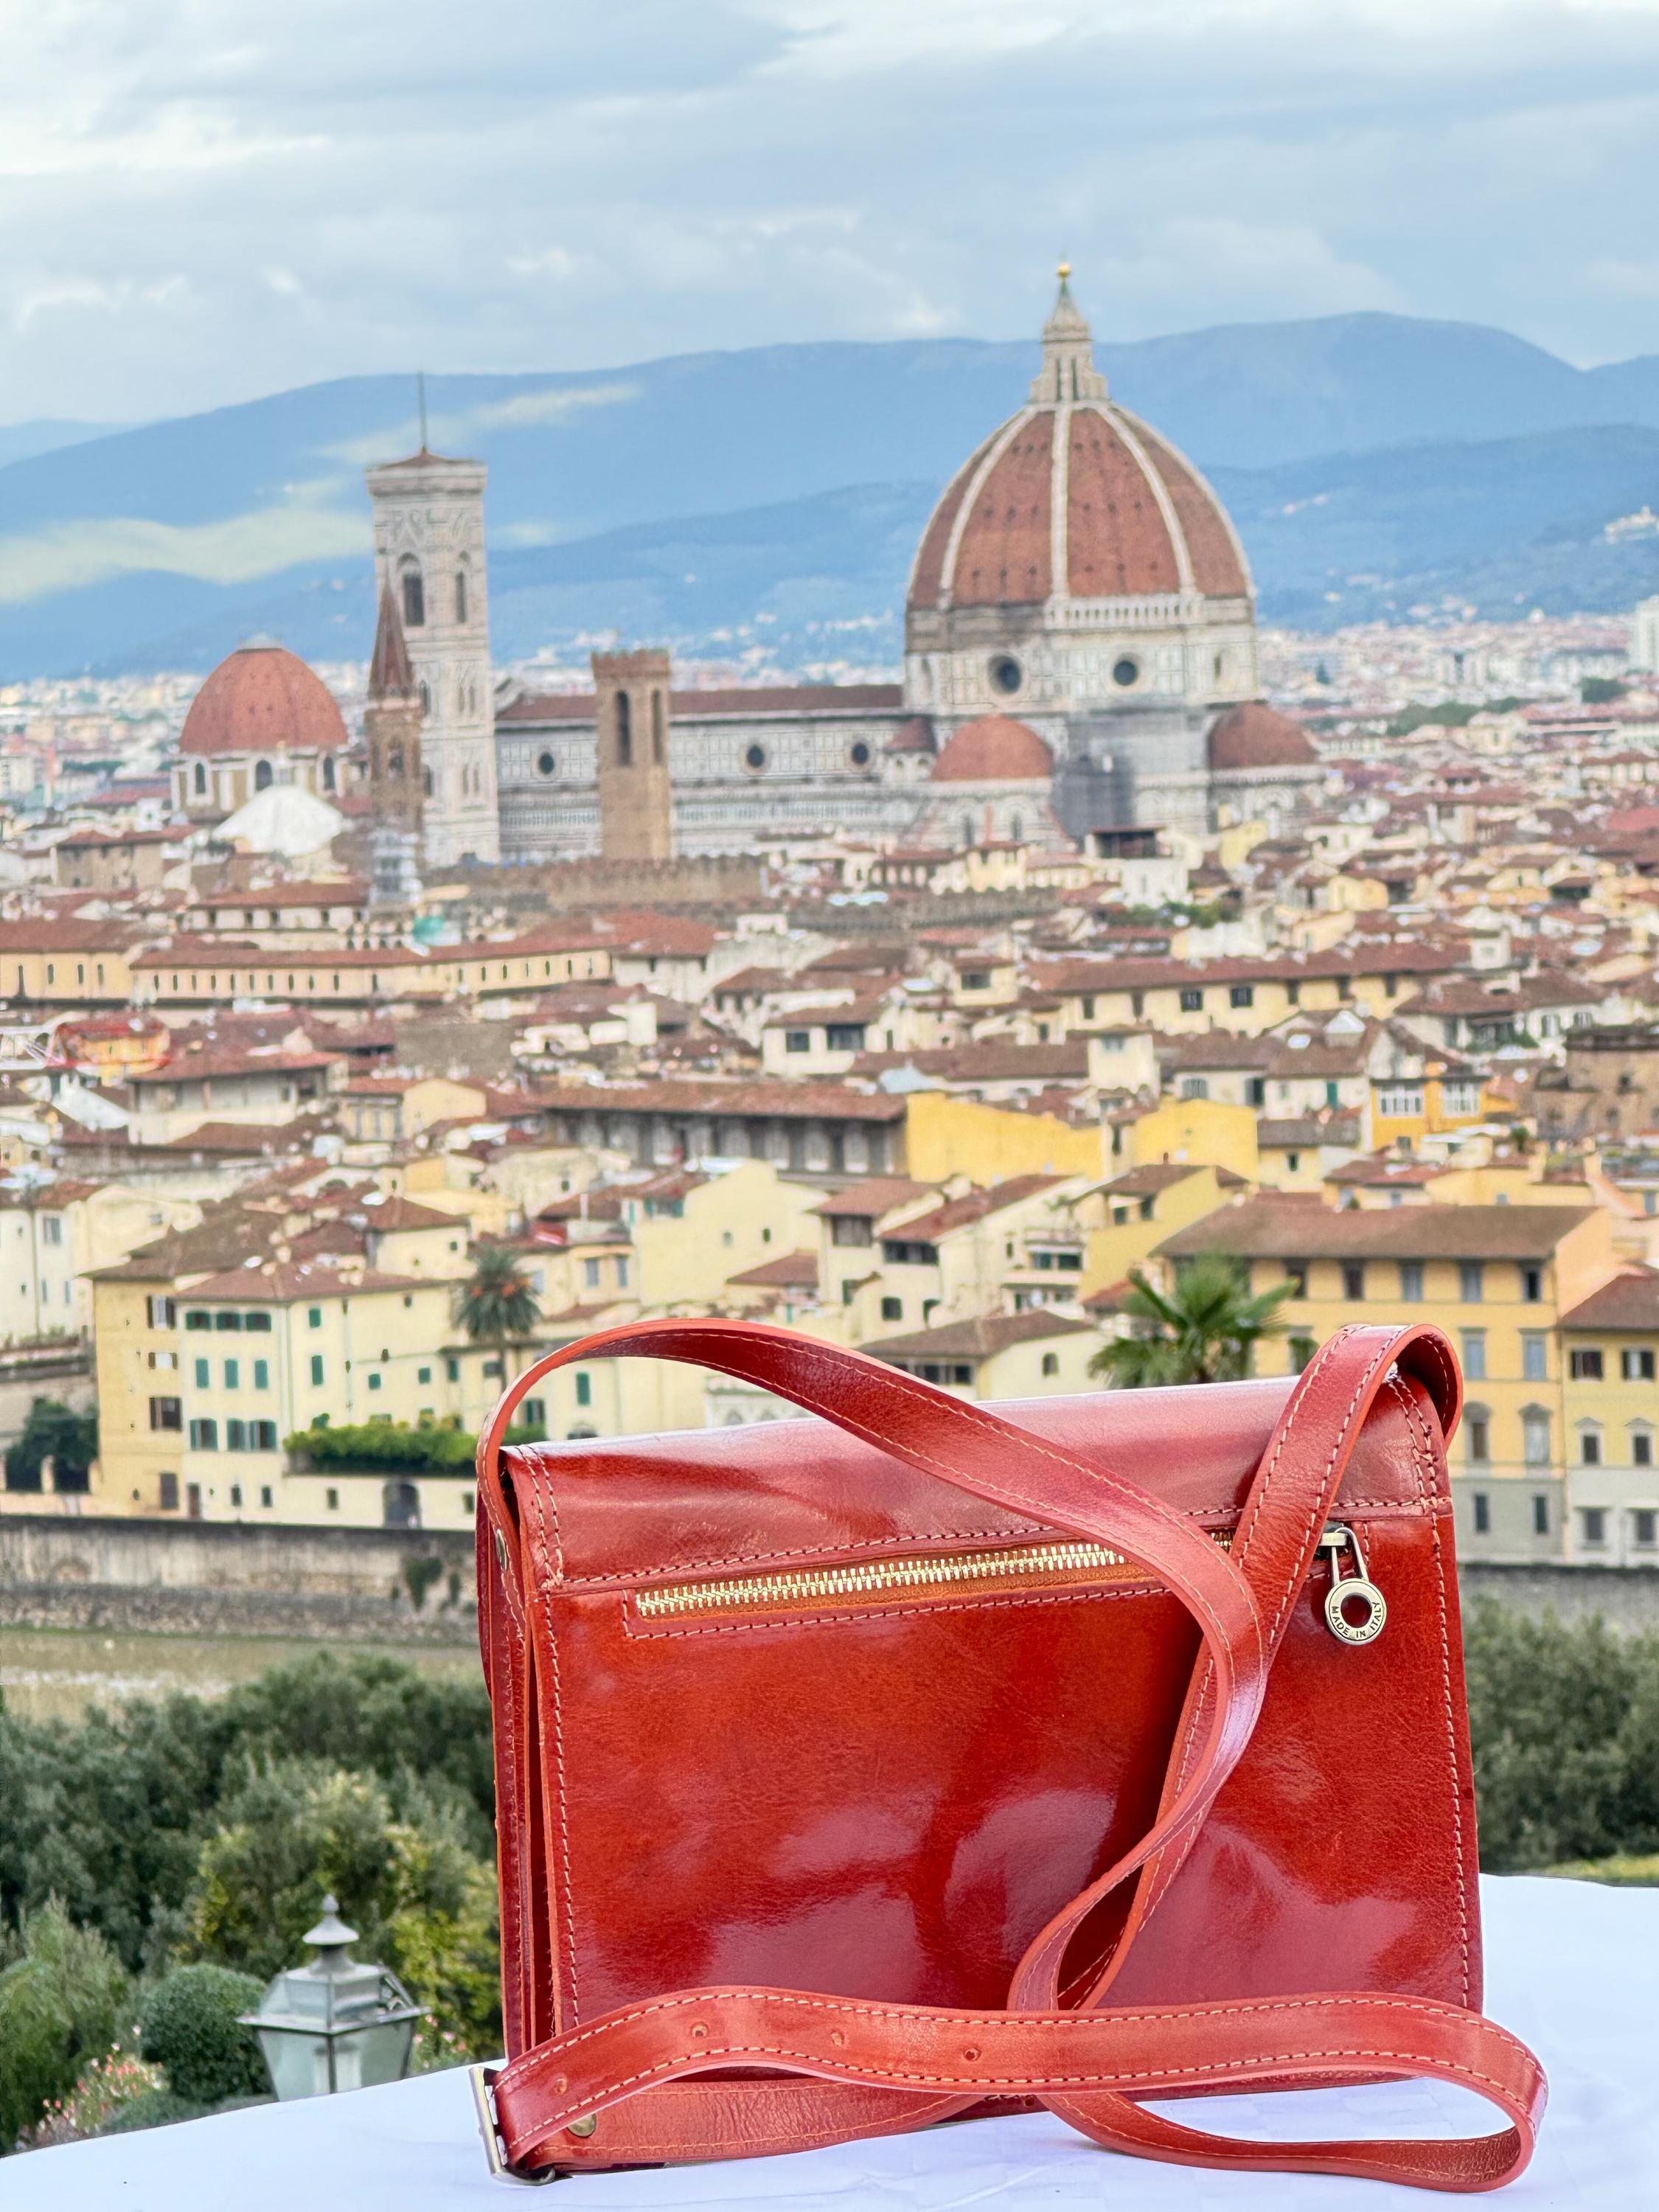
1064, 270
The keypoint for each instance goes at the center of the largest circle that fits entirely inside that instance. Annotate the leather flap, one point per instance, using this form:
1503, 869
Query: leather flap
635, 1509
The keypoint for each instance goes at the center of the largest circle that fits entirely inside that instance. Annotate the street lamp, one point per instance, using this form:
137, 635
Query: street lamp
334, 2024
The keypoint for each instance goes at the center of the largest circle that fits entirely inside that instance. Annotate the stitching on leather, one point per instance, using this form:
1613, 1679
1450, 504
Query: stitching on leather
622, 1579
645, 1635
1023, 2083
569, 1915
1421, 1465
991, 2022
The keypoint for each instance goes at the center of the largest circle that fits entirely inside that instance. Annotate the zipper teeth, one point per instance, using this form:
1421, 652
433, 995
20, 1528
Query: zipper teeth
873, 1576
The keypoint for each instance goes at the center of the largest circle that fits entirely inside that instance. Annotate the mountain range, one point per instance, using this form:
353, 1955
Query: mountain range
1374, 464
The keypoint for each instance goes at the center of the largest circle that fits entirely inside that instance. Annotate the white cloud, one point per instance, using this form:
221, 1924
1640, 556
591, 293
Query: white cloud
233, 551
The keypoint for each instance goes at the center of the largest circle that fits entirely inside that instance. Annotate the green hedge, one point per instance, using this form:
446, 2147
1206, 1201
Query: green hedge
190, 2026
394, 1445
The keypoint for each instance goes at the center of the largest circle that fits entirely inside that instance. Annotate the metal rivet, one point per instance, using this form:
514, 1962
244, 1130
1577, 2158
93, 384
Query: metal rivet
583, 2127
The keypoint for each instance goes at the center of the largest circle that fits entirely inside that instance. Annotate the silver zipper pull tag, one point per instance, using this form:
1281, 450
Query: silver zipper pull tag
1357, 1589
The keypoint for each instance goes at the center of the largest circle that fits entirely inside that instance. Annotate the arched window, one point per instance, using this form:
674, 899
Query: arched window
460, 595
328, 772
967, 830
426, 700
414, 595
1015, 827
624, 731
263, 776
656, 727
394, 761
201, 778
427, 779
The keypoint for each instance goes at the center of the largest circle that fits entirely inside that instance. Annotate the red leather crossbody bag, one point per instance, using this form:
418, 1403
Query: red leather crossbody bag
931, 1758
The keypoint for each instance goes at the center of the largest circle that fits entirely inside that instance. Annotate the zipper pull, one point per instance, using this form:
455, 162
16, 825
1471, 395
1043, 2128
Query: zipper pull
1357, 1589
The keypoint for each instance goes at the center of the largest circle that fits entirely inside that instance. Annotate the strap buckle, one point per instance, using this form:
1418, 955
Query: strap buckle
484, 2080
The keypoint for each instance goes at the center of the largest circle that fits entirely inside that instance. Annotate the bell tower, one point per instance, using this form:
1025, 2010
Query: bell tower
631, 713
429, 556
392, 726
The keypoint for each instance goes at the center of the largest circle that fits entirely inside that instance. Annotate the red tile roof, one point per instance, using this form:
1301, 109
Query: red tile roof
262, 699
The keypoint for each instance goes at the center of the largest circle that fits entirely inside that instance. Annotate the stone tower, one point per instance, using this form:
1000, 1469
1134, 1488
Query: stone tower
636, 795
429, 553
392, 726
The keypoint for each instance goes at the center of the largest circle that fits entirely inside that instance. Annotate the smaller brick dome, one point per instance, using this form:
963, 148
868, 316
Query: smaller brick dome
1254, 736
262, 699
995, 749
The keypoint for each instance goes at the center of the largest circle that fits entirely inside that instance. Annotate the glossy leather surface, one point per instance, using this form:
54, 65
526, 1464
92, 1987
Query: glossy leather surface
1194, 1799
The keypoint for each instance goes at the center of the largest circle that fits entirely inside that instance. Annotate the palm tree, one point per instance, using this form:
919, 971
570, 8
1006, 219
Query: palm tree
496, 1304
1205, 1330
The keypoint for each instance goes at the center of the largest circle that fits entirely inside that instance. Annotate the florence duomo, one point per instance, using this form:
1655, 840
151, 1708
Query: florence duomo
1079, 654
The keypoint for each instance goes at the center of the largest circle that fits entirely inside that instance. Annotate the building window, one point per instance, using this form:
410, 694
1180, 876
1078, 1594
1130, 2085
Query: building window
414, 597
1255, 1091
204, 1374
1541, 1513
1478, 1429
624, 722
798, 1040
1241, 994
374, 1382
267, 1497
331, 1500
1474, 1354
233, 1373
460, 595
1411, 1282
166, 1413
1302, 1350
201, 793
1534, 1357
314, 1317
422, 1374
1644, 1528
892, 1310
1641, 1448
262, 1374
1594, 1520
1051, 1363
196, 1319
591, 1275
204, 1436
1194, 1086
452, 1371
1470, 1282
1589, 1448
658, 753
1536, 1436
1532, 1286
1006, 675
1353, 1281
1125, 670
584, 1388
1482, 1506
532, 1414
235, 1435
1295, 1272
1191, 1002
262, 1437
162, 1312
316, 1369
1636, 1363
1584, 1365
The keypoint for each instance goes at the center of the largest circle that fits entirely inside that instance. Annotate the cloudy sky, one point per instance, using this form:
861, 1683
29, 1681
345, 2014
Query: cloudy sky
202, 200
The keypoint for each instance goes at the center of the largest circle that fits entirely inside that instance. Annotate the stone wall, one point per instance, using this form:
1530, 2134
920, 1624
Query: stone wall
1627, 1597
228, 1578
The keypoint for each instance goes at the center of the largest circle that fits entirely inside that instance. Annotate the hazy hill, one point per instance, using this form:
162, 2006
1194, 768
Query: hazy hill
686, 497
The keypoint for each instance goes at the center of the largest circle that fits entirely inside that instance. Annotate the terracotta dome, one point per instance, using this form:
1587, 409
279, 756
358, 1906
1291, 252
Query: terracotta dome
262, 699
1254, 736
1134, 519
996, 749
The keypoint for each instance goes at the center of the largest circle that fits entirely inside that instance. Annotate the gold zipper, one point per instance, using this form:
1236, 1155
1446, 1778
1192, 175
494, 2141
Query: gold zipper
902, 1578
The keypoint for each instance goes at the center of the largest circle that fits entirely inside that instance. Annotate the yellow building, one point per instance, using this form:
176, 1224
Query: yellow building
1497, 1279
1610, 1390
947, 1136
1134, 1212
694, 1230
1194, 1132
